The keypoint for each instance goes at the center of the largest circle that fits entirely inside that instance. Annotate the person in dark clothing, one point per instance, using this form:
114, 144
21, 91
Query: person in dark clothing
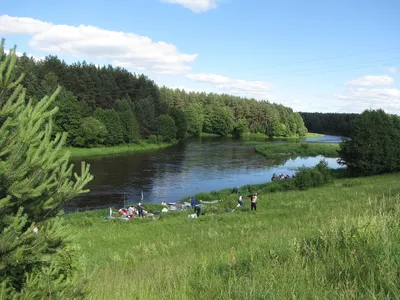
193, 203
197, 209
140, 209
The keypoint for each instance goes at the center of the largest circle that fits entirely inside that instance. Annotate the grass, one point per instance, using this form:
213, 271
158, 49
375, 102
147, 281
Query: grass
205, 134
129, 148
340, 241
276, 150
314, 135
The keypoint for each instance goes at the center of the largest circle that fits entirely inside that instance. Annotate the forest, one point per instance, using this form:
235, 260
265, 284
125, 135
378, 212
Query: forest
111, 106
329, 123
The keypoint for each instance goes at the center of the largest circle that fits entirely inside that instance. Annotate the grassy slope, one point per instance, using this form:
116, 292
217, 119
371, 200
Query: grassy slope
292, 247
85, 152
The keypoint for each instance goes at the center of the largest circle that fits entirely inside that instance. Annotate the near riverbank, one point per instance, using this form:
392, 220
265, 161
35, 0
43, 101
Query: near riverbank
339, 241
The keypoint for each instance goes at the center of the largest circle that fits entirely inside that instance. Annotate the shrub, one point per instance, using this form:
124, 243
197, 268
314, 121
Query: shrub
313, 177
152, 139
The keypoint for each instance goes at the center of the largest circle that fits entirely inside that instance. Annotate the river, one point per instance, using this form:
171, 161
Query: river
190, 167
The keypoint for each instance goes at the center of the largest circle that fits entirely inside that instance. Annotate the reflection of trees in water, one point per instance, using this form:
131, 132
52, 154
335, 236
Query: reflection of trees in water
115, 175
163, 172
221, 156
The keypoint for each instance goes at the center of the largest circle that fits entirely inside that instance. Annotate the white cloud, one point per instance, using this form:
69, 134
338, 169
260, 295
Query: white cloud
363, 96
392, 70
370, 81
124, 49
18, 25
195, 5
256, 89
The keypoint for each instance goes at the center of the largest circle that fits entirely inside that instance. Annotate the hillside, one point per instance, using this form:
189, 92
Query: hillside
340, 241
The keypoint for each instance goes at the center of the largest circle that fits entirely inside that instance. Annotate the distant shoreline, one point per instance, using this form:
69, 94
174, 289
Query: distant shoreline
144, 146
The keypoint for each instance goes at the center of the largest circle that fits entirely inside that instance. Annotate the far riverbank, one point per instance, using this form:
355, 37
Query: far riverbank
105, 151
145, 146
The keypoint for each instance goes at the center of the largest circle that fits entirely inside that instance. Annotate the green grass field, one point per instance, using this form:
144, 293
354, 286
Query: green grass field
340, 241
100, 151
277, 150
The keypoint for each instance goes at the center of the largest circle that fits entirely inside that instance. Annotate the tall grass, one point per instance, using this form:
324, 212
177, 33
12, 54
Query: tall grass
340, 241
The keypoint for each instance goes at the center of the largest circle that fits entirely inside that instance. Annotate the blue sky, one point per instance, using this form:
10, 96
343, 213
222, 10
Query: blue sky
329, 56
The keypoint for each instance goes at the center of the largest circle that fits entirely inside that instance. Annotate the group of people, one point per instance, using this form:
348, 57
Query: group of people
131, 211
253, 201
281, 177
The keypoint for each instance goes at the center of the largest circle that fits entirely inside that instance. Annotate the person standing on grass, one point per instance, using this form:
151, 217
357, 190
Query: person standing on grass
240, 201
254, 202
140, 209
197, 209
193, 203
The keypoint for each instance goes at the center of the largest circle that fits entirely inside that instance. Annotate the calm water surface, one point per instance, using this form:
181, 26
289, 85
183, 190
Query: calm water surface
193, 166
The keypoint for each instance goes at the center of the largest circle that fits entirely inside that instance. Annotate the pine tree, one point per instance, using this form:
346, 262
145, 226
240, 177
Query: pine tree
36, 261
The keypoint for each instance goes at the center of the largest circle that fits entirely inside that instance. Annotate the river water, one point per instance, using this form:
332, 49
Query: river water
190, 167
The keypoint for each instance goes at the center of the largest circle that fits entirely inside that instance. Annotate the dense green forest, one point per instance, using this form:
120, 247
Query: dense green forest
111, 106
374, 144
329, 123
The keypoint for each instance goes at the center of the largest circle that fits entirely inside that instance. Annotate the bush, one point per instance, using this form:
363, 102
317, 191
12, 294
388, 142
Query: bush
152, 139
313, 177
304, 146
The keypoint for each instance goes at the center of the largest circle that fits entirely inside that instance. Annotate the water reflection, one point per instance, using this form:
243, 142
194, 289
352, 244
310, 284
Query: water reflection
187, 168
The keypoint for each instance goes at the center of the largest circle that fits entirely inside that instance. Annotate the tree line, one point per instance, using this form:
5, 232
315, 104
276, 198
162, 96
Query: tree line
373, 147
329, 123
110, 106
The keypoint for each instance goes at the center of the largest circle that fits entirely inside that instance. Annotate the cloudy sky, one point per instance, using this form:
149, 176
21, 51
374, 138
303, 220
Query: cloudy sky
328, 56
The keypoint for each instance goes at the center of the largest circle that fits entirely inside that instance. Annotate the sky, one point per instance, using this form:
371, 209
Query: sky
324, 56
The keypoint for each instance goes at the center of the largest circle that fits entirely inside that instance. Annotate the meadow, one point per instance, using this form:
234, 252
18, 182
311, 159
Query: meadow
339, 241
